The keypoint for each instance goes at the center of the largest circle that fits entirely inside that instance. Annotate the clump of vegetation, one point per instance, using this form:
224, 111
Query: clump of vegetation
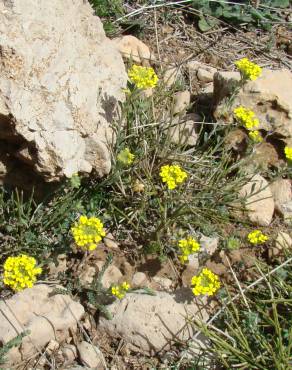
253, 329
160, 195
108, 11
209, 13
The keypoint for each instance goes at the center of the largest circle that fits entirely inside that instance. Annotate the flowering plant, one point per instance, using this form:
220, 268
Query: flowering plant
255, 136
20, 272
172, 175
88, 232
187, 247
126, 157
257, 237
288, 152
206, 283
120, 290
246, 117
249, 70
143, 77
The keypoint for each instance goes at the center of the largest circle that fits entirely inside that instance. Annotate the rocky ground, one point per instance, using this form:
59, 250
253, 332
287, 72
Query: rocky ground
61, 109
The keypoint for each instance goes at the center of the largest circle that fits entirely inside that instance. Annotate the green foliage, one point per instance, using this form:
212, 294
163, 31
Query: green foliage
37, 228
233, 243
108, 10
256, 333
210, 12
15, 342
154, 216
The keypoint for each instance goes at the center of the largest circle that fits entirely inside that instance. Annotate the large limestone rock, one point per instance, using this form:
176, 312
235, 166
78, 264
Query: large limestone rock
152, 323
45, 317
270, 97
60, 82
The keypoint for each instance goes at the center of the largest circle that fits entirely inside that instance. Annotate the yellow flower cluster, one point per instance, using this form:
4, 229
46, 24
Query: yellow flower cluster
143, 77
288, 152
246, 117
249, 70
20, 272
88, 232
257, 237
126, 157
120, 290
255, 136
206, 283
187, 247
172, 175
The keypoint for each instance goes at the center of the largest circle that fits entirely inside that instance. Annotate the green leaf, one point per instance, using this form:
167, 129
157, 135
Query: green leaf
75, 181
280, 3
205, 25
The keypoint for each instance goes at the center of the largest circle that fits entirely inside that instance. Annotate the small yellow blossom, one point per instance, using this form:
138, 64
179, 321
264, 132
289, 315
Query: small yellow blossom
255, 136
257, 237
288, 152
246, 117
88, 232
187, 247
20, 272
126, 157
206, 283
143, 77
120, 290
249, 70
172, 175
138, 187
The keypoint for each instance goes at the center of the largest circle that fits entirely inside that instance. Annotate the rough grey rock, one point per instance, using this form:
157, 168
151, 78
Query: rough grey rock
184, 131
46, 317
69, 352
181, 101
163, 283
90, 355
259, 200
87, 275
139, 279
206, 74
209, 244
109, 241
111, 276
151, 323
61, 80
287, 212
282, 243
132, 48
269, 96
282, 193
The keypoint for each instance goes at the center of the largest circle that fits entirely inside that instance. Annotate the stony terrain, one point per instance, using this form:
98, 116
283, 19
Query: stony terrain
68, 115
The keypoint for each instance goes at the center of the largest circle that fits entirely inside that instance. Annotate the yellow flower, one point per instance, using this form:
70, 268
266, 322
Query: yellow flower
172, 175
143, 77
20, 272
288, 152
257, 237
206, 283
255, 136
248, 69
187, 247
246, 117
126, 157
120, 290
88, 232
